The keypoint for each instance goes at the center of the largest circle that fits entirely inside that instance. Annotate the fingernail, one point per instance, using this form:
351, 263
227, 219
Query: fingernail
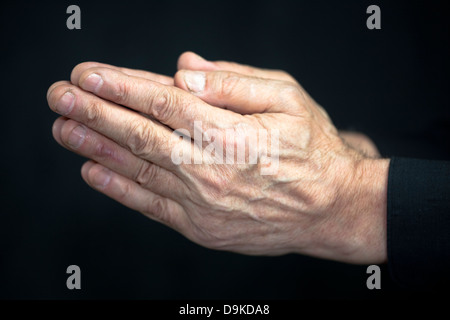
65, 104
92, 83
76, 137
195, 81
102, 178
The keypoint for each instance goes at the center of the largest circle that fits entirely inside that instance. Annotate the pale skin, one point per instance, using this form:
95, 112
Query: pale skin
327, 198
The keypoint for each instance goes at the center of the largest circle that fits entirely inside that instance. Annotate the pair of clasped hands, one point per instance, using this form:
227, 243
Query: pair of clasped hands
326, 199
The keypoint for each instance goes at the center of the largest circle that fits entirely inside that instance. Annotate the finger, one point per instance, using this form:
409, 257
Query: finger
169, 105
239, 93
77, 138
132, 195
192, 61
56, 129
143, 137
82, 67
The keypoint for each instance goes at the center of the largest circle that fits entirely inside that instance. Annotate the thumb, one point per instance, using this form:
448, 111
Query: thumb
237, 92
191, 61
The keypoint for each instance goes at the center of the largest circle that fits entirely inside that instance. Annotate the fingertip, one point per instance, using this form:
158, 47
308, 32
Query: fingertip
192, 61
178, 80
96, 175
78, 70
72, 134
54, 86
99, 176
85, 168
192, 81
56, 129
185, 58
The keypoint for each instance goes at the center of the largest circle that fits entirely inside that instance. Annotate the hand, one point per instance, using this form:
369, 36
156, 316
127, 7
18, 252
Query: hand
325, 199
192, 61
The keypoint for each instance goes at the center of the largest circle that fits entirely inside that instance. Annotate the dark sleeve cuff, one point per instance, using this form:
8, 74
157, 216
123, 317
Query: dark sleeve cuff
418, 222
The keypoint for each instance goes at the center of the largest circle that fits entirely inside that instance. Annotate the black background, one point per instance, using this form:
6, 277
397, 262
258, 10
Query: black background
391, 84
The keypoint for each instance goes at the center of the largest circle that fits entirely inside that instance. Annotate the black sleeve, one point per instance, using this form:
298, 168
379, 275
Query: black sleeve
418, 223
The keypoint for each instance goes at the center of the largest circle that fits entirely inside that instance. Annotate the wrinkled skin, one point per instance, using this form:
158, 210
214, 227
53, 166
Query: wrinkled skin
326, 198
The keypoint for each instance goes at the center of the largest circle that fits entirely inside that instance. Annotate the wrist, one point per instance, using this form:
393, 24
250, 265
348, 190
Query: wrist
363, 207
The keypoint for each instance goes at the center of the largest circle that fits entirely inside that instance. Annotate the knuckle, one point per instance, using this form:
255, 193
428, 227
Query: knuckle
162, 105
93, 113
228, 85
293, 94
138, 139
103, 151
286, 76
121, 92
125, 192
146, 173
157, 208
324, 113
214, 188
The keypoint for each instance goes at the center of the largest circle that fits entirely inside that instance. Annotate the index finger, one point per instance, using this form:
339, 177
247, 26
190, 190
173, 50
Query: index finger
80, 68
169, 105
